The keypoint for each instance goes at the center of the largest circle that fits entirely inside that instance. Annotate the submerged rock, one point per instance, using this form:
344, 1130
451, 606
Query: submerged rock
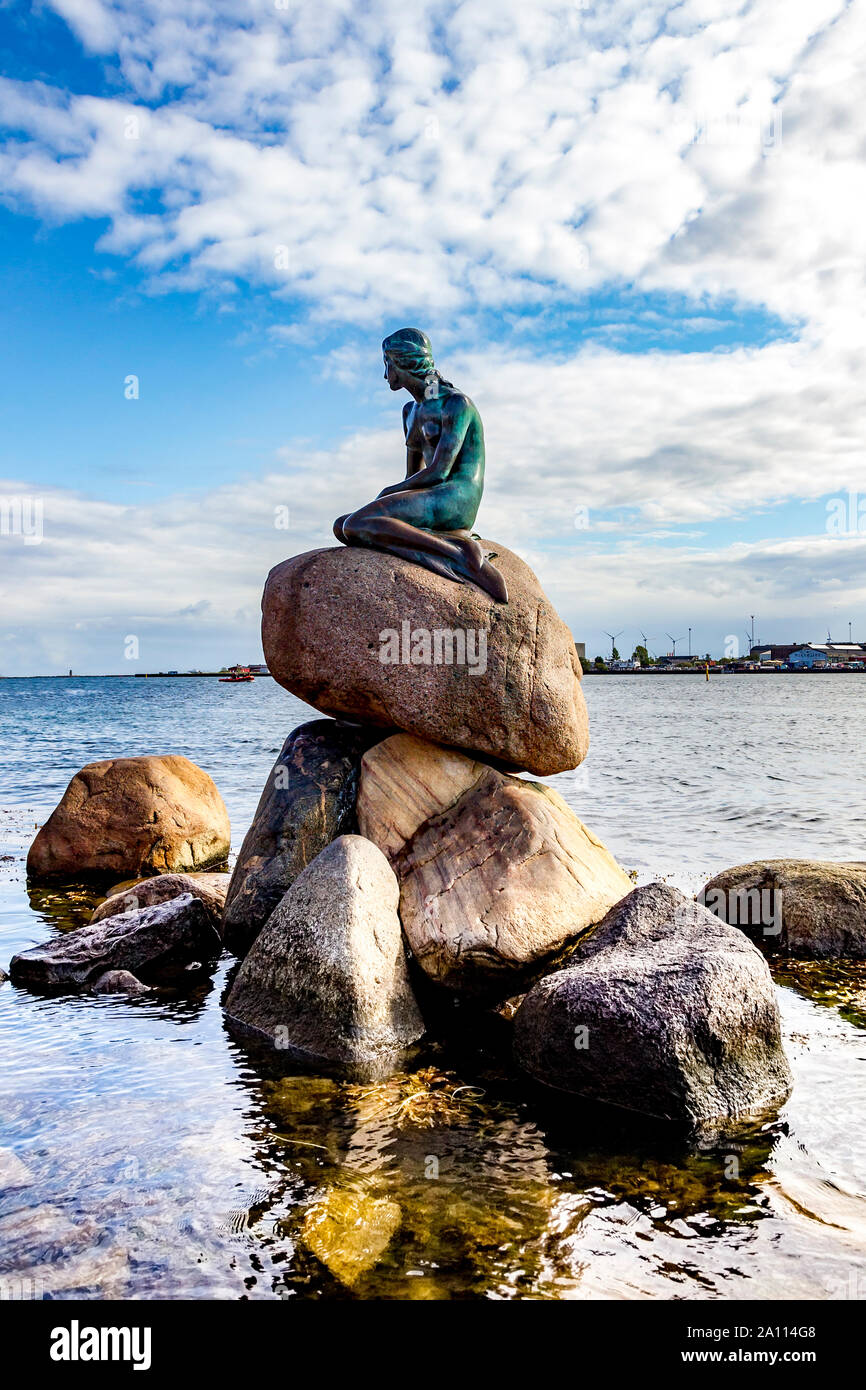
210, 888
13, 1173
130, 817
364, 635
349, 1231
497, 874
663, 1010
809, 908
308, 800
148, 939
327, 974
120, 982
45, 1228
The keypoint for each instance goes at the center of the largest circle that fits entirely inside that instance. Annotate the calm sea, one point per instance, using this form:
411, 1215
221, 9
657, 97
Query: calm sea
162, 1159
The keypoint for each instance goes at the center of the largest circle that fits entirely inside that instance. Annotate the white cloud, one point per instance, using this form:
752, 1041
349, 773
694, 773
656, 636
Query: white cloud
411, 157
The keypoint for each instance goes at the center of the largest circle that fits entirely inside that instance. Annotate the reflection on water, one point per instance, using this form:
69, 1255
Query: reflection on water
145, 1151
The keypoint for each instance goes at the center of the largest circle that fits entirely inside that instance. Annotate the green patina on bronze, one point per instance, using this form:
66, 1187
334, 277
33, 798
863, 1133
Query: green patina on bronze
428, 517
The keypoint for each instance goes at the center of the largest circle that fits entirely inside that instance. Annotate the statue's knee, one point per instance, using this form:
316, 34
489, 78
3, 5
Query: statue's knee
354, 530
339, 530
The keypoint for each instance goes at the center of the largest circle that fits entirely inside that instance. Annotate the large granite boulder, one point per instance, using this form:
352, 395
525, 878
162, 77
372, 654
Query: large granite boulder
809, 908
327, 975
130, 817
364, 635
663, 1009
145, 941
210, 888
308, 800
497, 874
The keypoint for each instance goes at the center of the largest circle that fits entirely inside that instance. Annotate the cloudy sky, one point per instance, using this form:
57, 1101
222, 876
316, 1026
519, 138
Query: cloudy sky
633, 231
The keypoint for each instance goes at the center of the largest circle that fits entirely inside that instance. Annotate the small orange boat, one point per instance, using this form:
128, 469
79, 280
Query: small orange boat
236, 674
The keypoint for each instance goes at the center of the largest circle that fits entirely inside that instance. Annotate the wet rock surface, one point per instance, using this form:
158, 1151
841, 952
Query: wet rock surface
804, 908
149, 939
662, 1010
327, 975
308, 800
210, 888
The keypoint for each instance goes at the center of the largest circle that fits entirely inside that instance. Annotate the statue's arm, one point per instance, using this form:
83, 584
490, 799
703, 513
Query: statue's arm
413, 458
456, 419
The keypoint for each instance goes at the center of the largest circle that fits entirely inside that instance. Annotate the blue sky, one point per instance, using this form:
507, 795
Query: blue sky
631, 231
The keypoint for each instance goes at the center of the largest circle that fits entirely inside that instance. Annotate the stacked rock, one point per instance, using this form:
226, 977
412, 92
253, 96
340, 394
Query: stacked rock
397, 834
400, 829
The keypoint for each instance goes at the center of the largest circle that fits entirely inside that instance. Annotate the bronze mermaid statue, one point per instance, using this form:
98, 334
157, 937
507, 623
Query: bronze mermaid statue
428, 517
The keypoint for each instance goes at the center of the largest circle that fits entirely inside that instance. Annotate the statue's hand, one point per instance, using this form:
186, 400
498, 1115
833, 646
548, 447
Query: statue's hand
395, 487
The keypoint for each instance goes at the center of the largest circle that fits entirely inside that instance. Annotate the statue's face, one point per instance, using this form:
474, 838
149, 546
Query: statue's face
392, 375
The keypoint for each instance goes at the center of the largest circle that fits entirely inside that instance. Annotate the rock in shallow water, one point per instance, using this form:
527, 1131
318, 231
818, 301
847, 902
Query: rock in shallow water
516, 695
119, 982
497, 874
308, 800
13, 1173
149, 939
210, 888
129, 817
807, 908
327, 974
662, 1010
350, 1231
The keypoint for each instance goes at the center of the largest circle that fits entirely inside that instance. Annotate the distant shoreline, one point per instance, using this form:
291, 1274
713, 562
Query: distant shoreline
130, 675
267, 675
727, 671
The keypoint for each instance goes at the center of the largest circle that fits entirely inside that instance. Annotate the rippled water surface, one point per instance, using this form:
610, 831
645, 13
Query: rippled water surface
149, 1154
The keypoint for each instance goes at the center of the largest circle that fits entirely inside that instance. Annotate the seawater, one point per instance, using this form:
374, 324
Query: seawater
163, 1159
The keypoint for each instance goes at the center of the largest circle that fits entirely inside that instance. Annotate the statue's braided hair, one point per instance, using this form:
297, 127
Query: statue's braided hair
410, 350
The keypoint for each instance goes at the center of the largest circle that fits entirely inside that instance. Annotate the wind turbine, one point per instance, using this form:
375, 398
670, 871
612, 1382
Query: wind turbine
613, 636
646, 641
674, 640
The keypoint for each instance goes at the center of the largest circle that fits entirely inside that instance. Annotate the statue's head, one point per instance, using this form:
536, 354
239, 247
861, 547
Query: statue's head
407, 354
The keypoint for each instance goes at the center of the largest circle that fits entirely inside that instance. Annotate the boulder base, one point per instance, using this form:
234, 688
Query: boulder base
354, 633
497, 874
663, 1010
807, 908
149, 939
131, 817
308, 800
327, 974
